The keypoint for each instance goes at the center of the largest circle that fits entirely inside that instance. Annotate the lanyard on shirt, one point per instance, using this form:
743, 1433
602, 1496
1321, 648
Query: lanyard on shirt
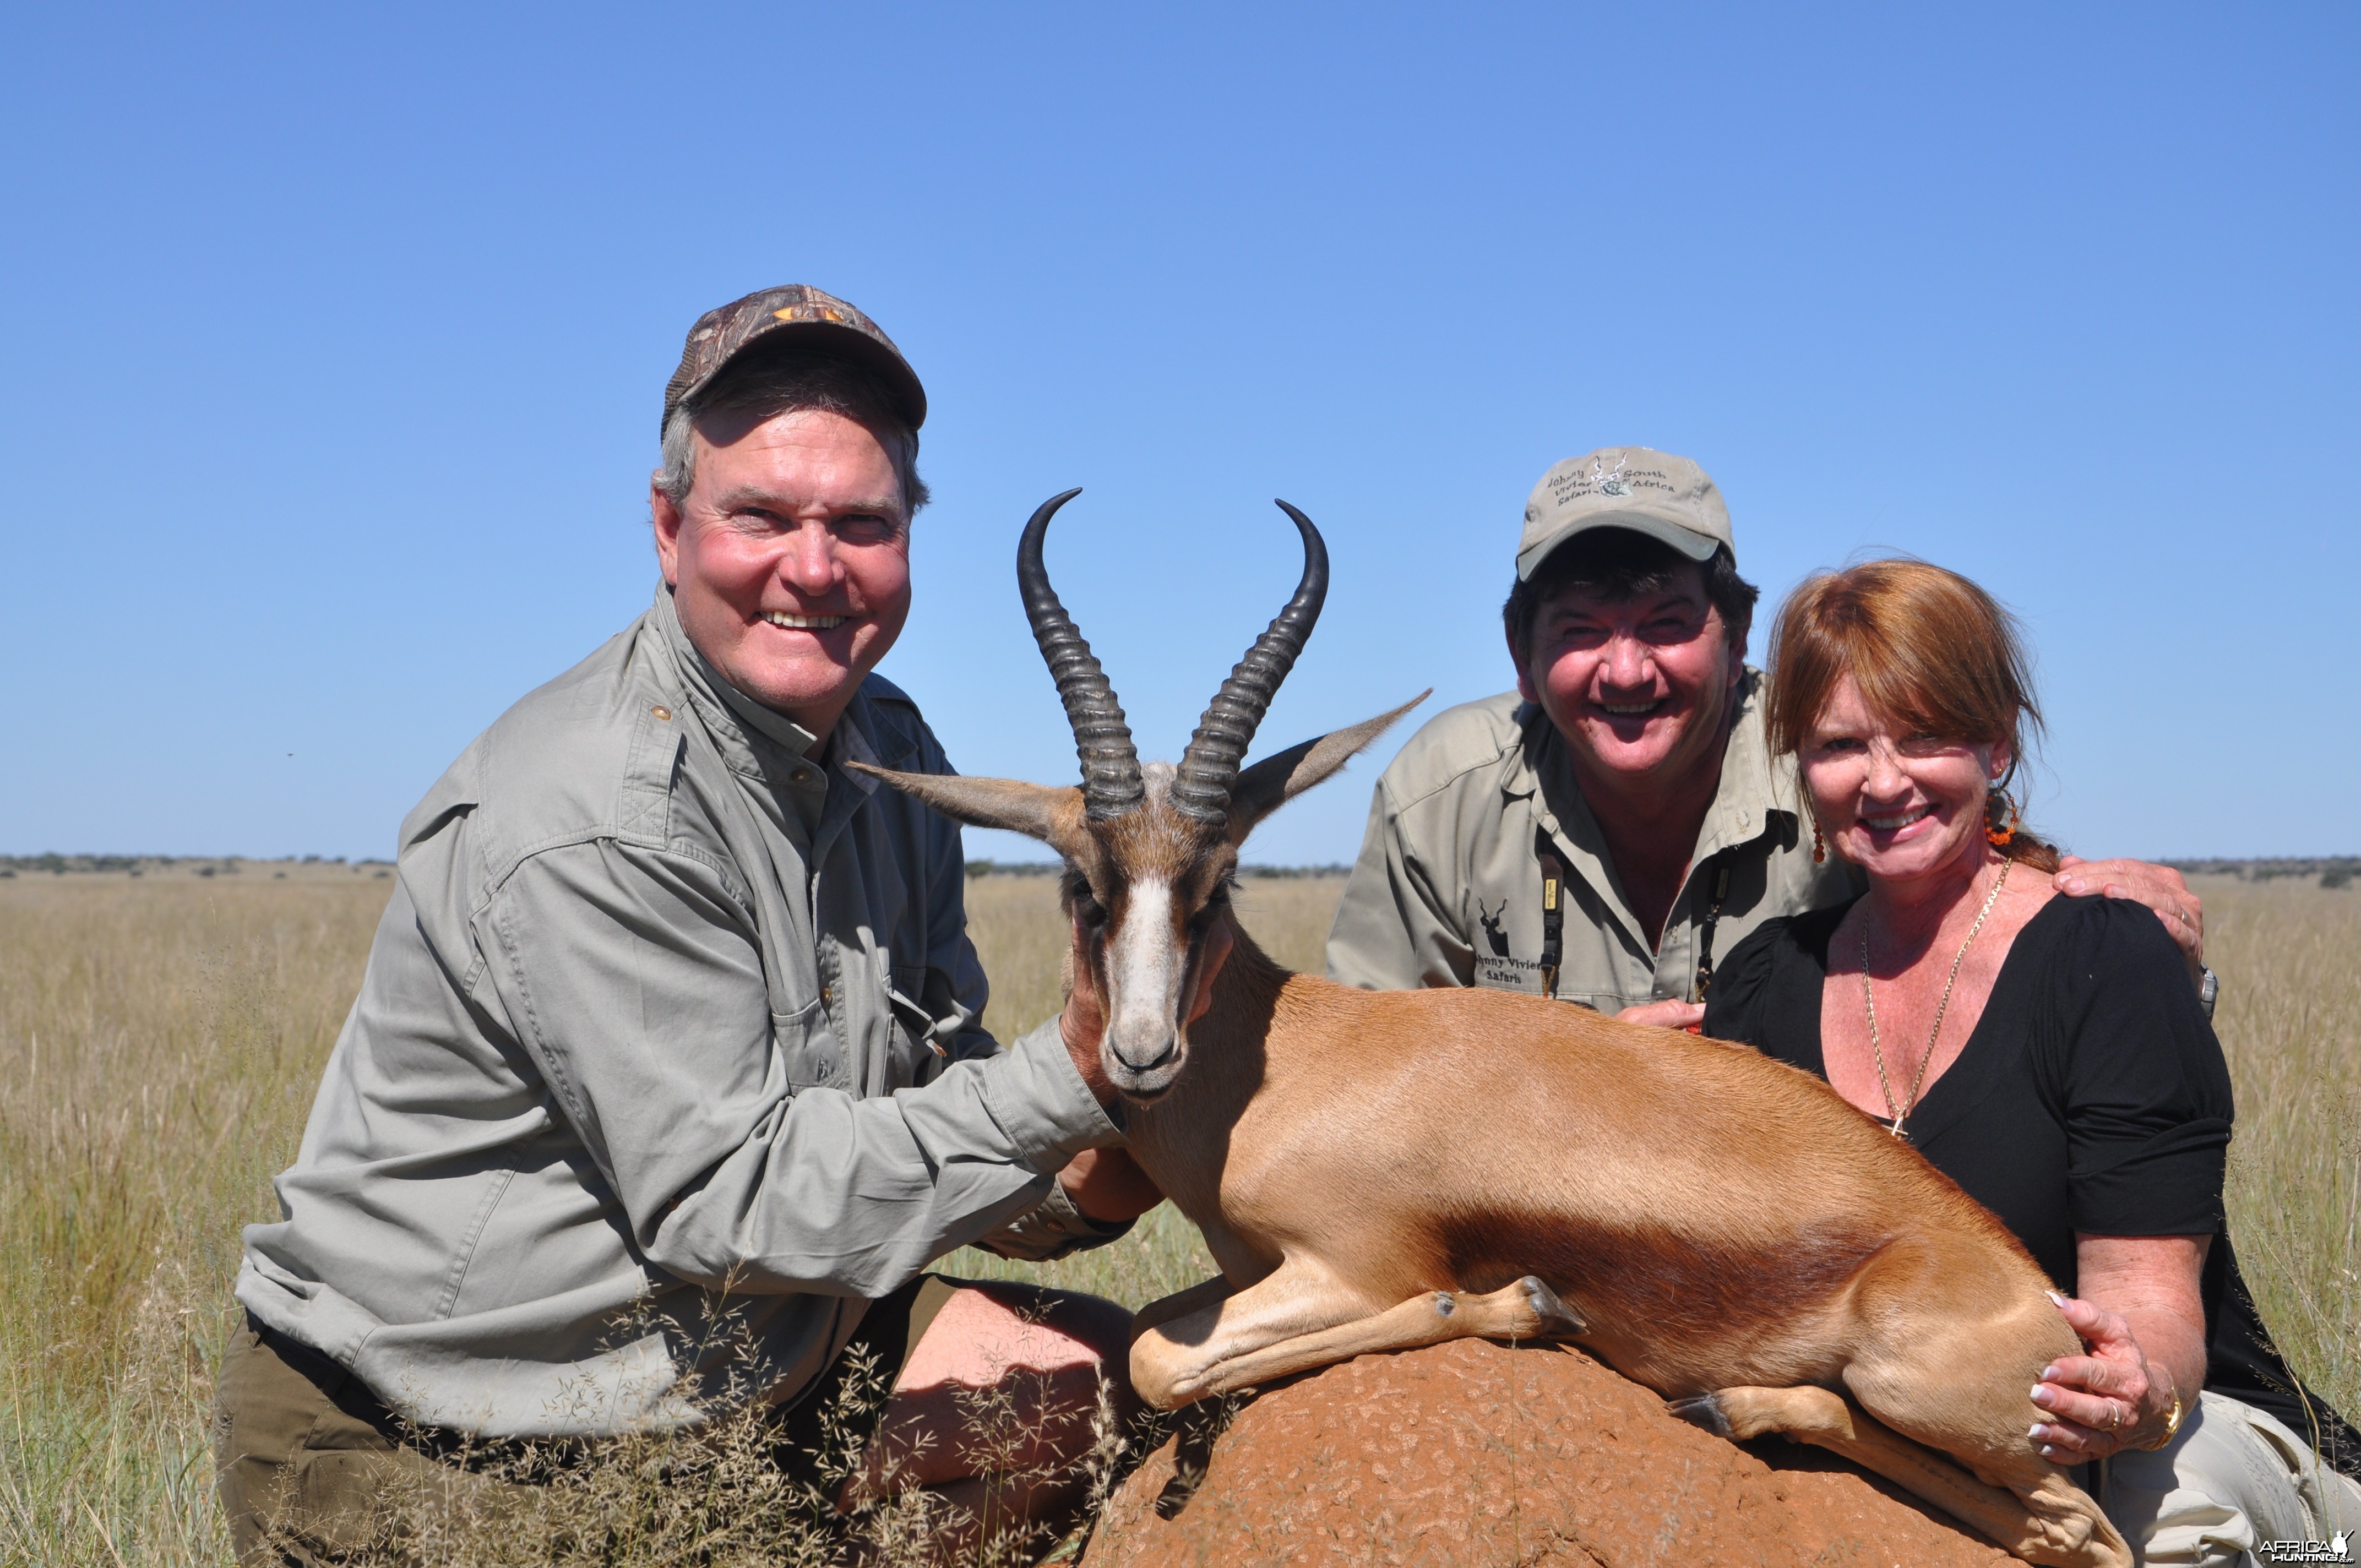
1554, 918
1705, 936
1552, 910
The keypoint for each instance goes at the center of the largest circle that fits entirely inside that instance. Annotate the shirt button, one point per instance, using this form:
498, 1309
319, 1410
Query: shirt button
826, 996
801, 775
662, 713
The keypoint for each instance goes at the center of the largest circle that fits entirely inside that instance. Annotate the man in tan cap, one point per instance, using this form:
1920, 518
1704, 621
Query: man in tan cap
1600, 833
666, 1080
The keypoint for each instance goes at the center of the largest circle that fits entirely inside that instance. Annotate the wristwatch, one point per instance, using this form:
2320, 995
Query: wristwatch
2208, 986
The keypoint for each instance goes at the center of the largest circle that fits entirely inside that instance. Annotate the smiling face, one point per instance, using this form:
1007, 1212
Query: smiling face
1640, 686
789, 558
1902, 806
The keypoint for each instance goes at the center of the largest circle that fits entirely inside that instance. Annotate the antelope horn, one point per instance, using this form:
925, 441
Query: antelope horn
1209, 769
1111, 782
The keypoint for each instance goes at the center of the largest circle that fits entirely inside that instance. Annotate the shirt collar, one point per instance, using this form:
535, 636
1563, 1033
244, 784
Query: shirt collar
1748, 795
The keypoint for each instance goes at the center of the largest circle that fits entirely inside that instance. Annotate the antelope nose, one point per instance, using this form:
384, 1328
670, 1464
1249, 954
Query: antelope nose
1143, 1050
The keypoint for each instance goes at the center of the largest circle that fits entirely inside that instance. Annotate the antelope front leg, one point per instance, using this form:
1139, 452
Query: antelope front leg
1173, 1354
1295, 1320
1196, 1299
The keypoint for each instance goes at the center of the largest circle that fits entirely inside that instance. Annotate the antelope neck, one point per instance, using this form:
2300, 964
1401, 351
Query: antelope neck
1251, 978
1227, 1069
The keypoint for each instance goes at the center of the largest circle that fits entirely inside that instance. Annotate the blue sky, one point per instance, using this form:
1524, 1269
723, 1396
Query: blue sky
336, 339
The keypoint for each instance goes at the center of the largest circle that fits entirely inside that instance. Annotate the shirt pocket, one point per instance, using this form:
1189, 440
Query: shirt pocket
807, 1048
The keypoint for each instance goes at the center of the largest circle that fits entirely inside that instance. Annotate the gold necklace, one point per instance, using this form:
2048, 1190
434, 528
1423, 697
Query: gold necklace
1868, 1002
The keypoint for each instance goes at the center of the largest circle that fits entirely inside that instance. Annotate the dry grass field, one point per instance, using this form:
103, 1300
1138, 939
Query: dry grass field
160, 1037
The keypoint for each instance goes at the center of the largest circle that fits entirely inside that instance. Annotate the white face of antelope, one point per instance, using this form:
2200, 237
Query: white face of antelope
1144, 891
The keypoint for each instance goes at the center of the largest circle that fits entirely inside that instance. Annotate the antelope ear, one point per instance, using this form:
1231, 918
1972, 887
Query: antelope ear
1276, 780
1029, 808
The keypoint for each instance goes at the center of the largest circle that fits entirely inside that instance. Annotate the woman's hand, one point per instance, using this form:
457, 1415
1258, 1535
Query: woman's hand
2105, 1402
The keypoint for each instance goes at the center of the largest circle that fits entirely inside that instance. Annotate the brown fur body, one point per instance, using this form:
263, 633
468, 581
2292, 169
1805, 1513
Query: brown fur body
1717, 1221
1722, 1249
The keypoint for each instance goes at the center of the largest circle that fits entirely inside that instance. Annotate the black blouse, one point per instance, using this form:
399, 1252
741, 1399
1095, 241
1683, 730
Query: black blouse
2092, 1096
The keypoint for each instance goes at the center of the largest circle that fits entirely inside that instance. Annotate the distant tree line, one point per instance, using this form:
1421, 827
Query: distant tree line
1052, 868
139, 865
2333, 871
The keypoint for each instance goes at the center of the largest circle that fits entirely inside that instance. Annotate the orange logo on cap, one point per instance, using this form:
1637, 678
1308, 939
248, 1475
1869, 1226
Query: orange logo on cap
785, 313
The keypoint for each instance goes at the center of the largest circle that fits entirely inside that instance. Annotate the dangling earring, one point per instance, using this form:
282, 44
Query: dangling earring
2001, 819
1820, 847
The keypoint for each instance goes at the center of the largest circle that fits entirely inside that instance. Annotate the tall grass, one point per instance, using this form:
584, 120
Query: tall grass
2289, 1017
160, 1040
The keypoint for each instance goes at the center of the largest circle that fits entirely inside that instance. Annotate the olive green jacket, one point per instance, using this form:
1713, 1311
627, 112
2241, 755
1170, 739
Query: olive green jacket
650, 1083
1448, 888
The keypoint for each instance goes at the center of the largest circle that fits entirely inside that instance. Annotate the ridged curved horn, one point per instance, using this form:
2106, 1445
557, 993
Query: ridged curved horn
1209, 769
1111, 782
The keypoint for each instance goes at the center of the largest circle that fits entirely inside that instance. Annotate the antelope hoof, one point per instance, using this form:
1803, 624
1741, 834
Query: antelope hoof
1703, 1410
1557, 1320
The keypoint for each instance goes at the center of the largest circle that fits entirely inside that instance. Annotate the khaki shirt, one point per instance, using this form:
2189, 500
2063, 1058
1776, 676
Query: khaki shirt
667, 1041
1448, 887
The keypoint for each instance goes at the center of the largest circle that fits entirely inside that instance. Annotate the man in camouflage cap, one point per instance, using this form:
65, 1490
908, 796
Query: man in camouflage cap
1601, 832
666, 1080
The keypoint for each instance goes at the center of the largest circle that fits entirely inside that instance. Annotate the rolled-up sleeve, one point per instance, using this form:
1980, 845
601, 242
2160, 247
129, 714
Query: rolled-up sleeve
634, 981
1394, 931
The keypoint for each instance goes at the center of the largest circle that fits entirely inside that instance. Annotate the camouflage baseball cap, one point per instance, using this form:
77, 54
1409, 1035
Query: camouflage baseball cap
1666, 498
821, 323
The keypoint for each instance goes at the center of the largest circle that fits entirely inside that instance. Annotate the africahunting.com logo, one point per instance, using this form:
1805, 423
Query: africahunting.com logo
2337, 1548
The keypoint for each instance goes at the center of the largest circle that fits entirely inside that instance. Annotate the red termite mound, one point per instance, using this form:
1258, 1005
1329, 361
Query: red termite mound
1475, 1454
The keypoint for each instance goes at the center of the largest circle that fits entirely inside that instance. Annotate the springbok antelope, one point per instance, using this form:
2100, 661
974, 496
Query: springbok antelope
1379, 1171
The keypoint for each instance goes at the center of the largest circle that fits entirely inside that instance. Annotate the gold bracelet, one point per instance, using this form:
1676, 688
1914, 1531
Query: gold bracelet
2171, 1424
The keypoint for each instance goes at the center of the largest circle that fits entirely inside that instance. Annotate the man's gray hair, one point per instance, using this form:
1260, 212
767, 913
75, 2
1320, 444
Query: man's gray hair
773, 384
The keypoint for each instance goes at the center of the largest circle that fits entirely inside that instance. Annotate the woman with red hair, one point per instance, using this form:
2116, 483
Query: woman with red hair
2045, 1053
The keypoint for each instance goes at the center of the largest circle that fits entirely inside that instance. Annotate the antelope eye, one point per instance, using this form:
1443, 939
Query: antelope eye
1092, 912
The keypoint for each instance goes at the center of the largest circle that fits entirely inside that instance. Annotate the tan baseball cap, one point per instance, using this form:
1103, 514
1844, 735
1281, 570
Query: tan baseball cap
1666, 498
809, 318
